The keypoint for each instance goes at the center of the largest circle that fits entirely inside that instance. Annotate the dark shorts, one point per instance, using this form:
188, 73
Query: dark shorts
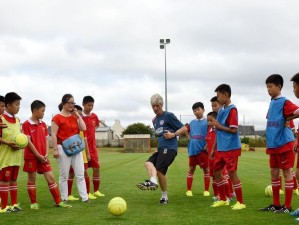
162, 159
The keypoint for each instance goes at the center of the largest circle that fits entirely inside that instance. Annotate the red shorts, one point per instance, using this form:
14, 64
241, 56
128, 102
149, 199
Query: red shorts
94, 163
34, 165
284, 160
9, 173
226, 159
201, 159
85, 166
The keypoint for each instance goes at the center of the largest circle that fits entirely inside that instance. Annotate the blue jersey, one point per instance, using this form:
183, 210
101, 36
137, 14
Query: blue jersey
198, 133
226, 141
166, 121
277, 134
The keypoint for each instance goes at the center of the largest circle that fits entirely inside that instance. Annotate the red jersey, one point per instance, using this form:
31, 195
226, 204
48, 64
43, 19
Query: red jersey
38, 134
210, 139
68, 126
92, 122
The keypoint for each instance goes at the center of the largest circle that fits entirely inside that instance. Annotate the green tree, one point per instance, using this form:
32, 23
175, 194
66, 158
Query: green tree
138, 128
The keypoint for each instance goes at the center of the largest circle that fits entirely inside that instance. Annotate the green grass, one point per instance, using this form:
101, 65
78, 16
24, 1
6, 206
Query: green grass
119, 174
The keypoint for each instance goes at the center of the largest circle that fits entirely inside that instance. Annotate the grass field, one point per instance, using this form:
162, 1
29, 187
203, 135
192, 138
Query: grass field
119, 174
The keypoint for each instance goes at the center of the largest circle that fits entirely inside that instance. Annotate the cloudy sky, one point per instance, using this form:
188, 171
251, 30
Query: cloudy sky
110, 50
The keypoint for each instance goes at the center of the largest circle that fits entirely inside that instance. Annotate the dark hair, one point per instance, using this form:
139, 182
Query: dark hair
295, 78
64, 100
87, 99
224, 88
198, 104
275, 79
213, 114
2, 98
78, 107
214, 99
37, 104
10, 97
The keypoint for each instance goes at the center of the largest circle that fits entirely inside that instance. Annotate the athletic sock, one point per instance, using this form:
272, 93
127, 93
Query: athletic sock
276, 184
87, 182
53, 188
69, 186
207, 181
238, 190
4, 190
31, 189
154, 180
13, 190
164, 195
289, 185
189, 181
96, 183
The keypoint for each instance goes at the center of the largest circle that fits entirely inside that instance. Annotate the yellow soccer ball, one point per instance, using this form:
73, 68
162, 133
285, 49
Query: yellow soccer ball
268, 191
21, 140
117, 206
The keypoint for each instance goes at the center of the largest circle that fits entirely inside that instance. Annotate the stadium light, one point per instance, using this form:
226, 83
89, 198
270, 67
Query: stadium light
163, 43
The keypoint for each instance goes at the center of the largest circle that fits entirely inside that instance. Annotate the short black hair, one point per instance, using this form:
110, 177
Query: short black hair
11, 97
214, 99
78, 107
295, 78
213, 114
275, 79
198, 104
87, 99
37, 104
2, 98
224, 88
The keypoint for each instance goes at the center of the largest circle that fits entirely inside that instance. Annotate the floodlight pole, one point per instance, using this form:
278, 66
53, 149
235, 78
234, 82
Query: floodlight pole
163, 44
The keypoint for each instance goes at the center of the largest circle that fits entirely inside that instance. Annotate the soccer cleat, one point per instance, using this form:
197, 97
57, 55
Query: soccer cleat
7, 209
238, 206
271, 207
98, 194
72, 198
15, 208
63, 204
220, 203
189, 193
163, 201
295, 213
147, 185
281, 192
206, 193
283, 209
215, 198
34, 206
87, 201
296, 192
91, 196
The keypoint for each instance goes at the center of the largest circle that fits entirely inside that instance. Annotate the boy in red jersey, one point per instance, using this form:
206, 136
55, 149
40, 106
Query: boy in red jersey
10, 154
36, 155
295, 80
228, 146
280, 143
92, 122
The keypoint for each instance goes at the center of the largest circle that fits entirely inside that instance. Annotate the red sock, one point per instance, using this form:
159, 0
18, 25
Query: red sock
207, 181
4, 189
13, 190
215, 189
221, 189
230, 186
280, 182
276, 183
87, 181
53, 188
31, 189
189, 181
238, 190
96, 183
295, 181
70, 186
289, 187
227, 189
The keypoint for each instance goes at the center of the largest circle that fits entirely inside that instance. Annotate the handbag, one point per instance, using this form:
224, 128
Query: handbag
73, 145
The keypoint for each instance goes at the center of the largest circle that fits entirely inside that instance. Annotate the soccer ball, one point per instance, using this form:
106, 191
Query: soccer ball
117, 206
268, 191
21, 140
